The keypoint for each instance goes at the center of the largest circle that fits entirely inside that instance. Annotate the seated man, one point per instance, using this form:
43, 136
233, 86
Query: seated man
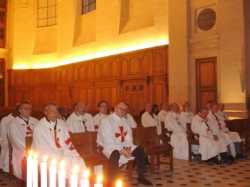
115, 136
148, 119
163, 112
4, 129
130, 120
20, 127
233, 138
79, 120
186, 114
178, 137
103, 108
210, 145
51, 138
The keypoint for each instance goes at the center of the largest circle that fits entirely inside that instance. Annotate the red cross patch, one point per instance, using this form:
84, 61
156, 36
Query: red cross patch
121, 134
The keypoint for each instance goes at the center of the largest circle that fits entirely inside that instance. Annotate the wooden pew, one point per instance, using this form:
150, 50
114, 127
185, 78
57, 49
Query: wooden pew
85, 144
193, 139
150, 141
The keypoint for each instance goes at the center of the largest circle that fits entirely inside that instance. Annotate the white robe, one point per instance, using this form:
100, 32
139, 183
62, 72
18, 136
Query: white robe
187, 117
130, 120
115, 134
178, 137
53, 140
148, 120
4, 128
217, 127
162, 115
80, 123
208, 147
97, 120
222, 115
18, 131
234, 136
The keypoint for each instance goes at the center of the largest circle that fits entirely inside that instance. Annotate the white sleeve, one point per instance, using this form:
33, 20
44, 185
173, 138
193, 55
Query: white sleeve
105, 138
90, 123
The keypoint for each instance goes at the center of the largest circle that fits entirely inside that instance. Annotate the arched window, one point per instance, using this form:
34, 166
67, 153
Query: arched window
46, 13
88, 6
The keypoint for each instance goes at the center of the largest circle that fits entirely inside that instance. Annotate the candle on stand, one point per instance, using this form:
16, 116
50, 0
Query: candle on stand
43, 172
52, 173
99, 180
62, 174
85, 179
74, 177
119, 183
29, 179
35, 170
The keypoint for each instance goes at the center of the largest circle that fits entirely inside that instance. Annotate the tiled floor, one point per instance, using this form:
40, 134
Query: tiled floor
192, 174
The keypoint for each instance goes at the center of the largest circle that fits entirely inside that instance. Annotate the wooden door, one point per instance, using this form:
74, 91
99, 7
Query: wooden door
2, 79
134, 93
206, 81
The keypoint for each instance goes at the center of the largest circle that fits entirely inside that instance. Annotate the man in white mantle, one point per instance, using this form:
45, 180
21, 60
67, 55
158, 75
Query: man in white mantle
20, 127
80, 120
103, 108
115, 136
178, 138
210, 145
4, 128
51, 138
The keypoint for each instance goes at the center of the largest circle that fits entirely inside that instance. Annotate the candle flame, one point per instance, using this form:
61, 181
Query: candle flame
45, 158
86, 174
53, 162
75, 170
119, 183
62, 164
99, 179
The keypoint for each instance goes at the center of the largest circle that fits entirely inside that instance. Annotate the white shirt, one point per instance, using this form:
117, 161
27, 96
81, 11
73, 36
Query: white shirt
80, 123
53, 139
130, 120
148, 120
98, 118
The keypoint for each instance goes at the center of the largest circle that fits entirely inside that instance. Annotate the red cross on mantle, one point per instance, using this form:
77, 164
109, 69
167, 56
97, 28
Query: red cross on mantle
122, 134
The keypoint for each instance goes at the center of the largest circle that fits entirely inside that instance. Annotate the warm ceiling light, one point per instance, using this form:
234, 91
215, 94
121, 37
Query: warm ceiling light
110, 50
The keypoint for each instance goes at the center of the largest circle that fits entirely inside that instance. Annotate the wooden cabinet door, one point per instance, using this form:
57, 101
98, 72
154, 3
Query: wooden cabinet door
206, 81
2, 77
134, 93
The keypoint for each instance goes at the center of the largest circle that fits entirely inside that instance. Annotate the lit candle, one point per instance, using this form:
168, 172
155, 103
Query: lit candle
119, 183
43, 172
74, 177
29, 179
85, 179
99, 180
62, 175
35, 170
52, 174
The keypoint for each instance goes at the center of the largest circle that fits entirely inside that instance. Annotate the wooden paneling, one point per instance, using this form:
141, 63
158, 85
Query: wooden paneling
136, 77
3, 16
2, 80
206, 81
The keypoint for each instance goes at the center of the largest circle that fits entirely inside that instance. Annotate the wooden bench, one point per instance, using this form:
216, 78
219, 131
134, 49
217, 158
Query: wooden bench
154, 147
193, 139
85, 144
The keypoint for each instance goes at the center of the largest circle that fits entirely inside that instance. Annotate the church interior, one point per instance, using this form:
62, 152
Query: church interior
124, 93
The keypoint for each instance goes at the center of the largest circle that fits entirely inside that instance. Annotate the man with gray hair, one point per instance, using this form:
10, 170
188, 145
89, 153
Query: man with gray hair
52, 138
115, 136
80, 120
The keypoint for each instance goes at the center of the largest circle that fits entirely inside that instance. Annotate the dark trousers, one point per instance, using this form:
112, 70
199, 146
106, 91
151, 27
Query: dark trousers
140, 162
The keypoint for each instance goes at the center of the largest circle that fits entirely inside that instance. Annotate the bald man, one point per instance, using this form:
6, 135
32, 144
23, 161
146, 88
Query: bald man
115, 136
52, 138
80, 120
